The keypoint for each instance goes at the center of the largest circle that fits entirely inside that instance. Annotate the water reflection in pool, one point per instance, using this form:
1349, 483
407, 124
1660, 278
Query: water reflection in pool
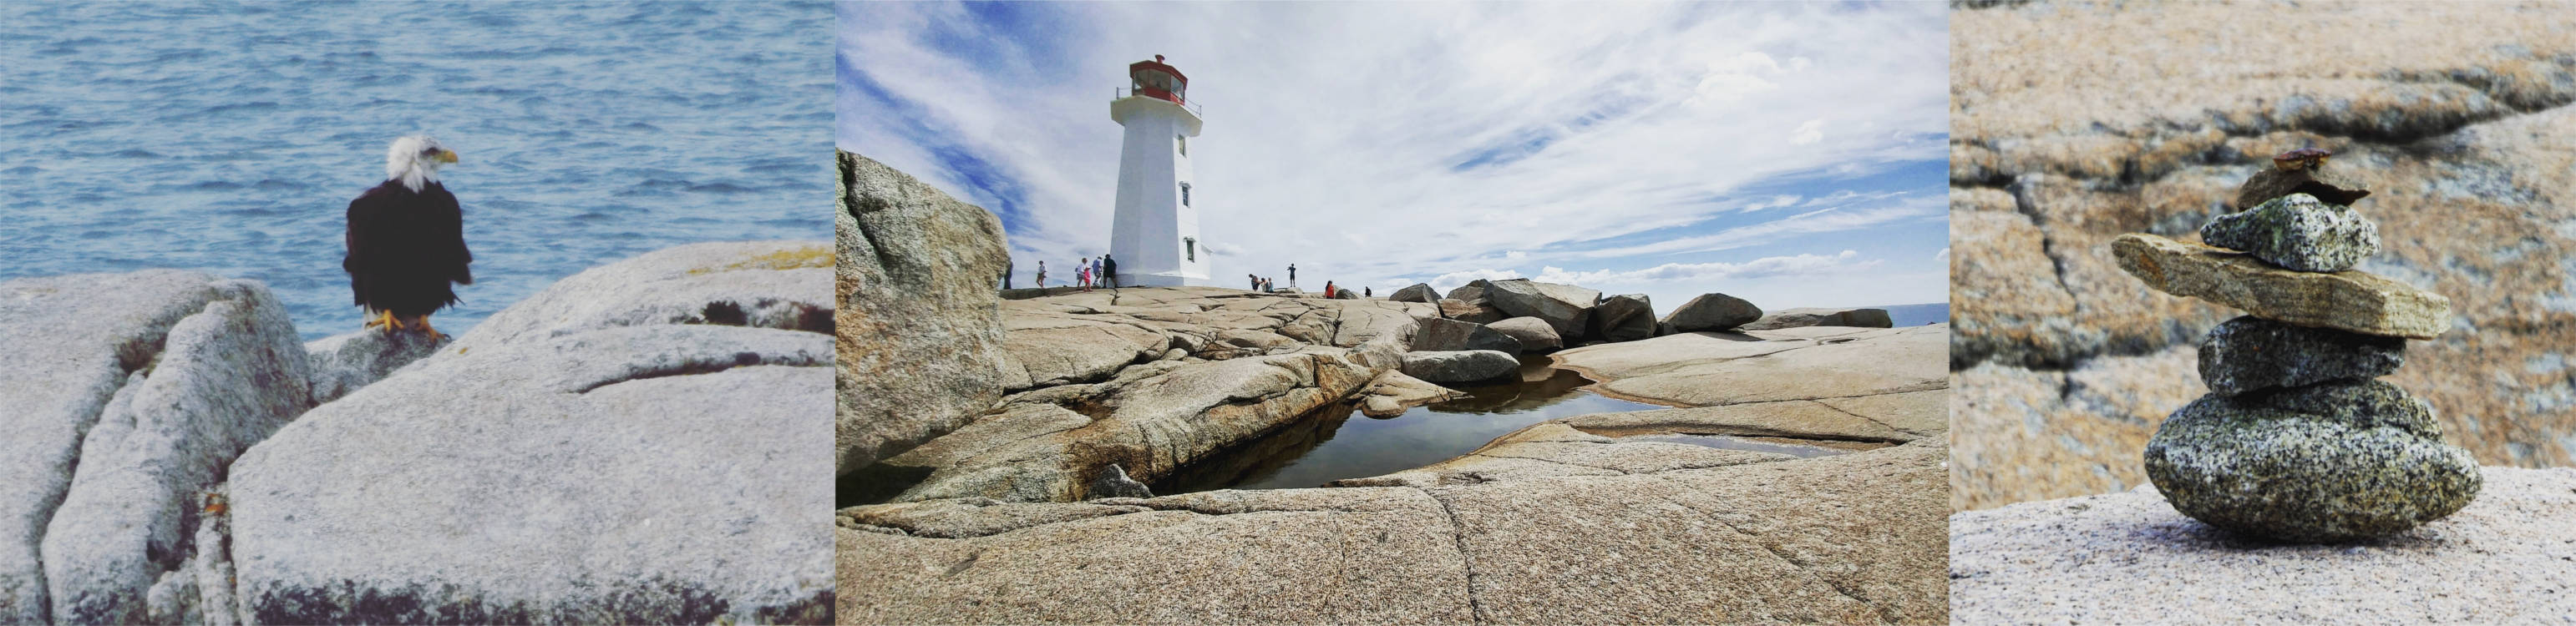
1338, 442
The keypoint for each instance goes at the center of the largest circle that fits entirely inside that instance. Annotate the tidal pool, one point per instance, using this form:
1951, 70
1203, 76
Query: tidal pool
1338, 442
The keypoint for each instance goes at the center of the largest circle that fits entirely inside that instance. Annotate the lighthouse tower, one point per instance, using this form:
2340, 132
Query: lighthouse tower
1156, 237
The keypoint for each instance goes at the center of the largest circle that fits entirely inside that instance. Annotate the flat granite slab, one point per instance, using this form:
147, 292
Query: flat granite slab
2350, 300
2122, 558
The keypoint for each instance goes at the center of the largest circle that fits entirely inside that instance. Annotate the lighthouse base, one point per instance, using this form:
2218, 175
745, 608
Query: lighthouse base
1162, 280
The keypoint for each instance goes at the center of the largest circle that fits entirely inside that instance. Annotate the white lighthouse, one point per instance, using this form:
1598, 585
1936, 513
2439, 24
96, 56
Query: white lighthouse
1156, 237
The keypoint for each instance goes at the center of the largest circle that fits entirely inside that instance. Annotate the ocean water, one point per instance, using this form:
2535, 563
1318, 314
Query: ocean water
230, 137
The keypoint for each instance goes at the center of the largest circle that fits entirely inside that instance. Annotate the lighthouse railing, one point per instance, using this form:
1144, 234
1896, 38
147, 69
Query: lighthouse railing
1158, 94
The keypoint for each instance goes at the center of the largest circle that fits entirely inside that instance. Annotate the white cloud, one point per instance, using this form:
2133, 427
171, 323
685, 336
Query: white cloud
1943, 257
1808, 133
1371, 142
1766, 267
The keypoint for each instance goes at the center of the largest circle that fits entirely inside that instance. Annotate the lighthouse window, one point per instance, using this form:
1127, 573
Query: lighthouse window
1185, 194
1191, 244
1185, 143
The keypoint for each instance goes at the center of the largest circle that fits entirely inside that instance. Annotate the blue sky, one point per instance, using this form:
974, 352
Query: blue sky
1790, 154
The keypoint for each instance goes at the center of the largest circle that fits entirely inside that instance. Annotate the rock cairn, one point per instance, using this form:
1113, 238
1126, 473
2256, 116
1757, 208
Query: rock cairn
2298, 440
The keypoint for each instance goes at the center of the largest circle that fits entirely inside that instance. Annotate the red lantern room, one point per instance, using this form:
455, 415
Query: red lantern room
1153, 79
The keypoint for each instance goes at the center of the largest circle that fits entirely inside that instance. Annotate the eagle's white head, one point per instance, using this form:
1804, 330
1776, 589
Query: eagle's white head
414, 160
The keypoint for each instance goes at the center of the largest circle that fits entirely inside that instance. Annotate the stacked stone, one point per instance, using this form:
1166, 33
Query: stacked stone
2298, 440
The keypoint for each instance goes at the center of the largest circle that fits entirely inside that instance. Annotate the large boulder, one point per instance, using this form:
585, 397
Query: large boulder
1436, 334
342, 363
2297, 232
635, 474
920, 331
1628, 317
2337, 461
1566, 307
1712, 311
1797, 318
77, 341
1465, 311
224, 378
2251, 353
759, 284
1534, 334
1460, 366
2353, 301
1419, 292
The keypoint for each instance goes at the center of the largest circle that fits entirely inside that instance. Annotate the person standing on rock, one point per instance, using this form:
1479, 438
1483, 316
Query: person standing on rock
1082, 272
1368, 292
1292, 276
1328, 289
1041, 274
1252, 282
1109, 272
1008, 267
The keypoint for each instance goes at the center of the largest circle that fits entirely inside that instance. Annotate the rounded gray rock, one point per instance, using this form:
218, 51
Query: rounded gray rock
2251, 353
1458, 366
1534, 334
1435, 334
2332, 462
1419, 292
2297, 232
1627, 317
1712, 311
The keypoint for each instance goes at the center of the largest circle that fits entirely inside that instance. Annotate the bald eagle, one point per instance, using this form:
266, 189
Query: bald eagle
407, 240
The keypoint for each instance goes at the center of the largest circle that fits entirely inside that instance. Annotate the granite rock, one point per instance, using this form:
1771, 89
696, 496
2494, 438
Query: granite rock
1438, 334
1712, 311
2337, 461
2297, 232
1419, 292
2269, 183
1534, 334
1794, 318
1567, 308
1459, 366
2353, 301
919, 326
1627, 317
344, 362
2251, 353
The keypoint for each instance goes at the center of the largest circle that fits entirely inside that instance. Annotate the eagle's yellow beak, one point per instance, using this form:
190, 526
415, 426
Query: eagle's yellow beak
447, 156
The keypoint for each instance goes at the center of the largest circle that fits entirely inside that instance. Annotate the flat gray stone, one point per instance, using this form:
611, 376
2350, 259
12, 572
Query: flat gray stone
2348, 300
2251, 353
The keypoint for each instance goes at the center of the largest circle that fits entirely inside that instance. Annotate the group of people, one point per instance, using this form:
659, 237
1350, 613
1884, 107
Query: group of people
1087, 273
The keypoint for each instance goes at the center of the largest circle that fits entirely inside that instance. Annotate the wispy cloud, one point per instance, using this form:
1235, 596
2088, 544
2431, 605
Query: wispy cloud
1384, 144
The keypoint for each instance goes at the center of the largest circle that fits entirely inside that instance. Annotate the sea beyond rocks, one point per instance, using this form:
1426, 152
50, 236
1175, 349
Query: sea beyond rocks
1028, 509
584, 455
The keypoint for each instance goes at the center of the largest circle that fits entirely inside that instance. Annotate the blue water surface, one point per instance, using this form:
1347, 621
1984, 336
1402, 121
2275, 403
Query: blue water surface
229, 137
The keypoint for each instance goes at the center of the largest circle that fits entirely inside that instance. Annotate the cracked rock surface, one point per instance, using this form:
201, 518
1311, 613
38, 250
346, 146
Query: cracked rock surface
1576, 520
2087, 560
617, 463
2062, 141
